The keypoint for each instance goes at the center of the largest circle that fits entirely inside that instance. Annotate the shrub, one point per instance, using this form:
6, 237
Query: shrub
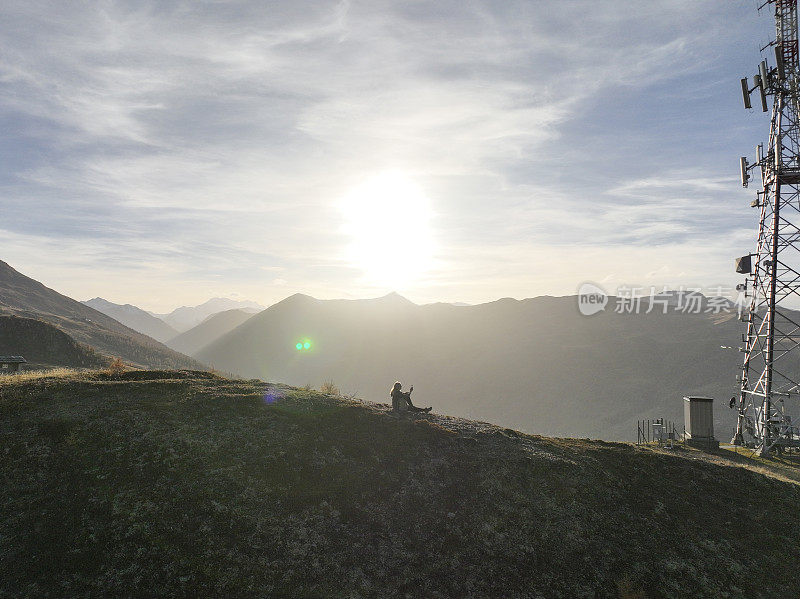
116, 367
329, 388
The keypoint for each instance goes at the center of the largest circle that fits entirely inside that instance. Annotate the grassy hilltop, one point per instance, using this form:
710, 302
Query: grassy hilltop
186, 484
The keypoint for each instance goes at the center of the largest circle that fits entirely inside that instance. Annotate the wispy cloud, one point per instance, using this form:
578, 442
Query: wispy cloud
206, 140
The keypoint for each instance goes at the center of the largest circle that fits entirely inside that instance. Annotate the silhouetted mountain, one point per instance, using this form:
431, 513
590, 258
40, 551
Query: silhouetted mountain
535, 364
135, 318
44, 345
184, 318
22, 296
211, 329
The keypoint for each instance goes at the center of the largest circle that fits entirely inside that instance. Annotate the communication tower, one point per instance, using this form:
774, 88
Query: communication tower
770, 379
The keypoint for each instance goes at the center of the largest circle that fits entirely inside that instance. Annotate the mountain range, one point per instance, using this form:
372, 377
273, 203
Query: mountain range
134, 318
24, 297
211, 329
184, 318
535, 364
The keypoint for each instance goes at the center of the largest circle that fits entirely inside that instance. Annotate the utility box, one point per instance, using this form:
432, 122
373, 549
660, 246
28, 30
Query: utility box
698, 418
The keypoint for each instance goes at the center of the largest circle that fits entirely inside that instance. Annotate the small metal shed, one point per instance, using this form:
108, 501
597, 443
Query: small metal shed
698, 417
10, 364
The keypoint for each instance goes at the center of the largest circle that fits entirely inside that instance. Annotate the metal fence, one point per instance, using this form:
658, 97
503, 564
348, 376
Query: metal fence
663, 432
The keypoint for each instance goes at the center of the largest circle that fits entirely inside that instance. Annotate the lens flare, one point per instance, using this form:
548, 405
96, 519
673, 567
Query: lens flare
271, 395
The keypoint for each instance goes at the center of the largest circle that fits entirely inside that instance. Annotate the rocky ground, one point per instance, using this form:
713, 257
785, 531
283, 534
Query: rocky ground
186, 484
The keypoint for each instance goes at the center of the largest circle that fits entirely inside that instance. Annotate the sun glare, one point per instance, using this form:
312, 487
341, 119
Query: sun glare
388, 220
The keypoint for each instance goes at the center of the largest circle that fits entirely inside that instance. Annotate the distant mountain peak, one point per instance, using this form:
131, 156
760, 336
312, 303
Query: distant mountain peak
134, 317
228, 303
299, 299
186, 317
395, 298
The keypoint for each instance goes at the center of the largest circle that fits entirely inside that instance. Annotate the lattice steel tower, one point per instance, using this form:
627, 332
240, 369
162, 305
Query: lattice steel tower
770, 378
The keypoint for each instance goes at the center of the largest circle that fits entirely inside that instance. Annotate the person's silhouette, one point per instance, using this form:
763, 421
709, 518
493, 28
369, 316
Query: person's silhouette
401, 400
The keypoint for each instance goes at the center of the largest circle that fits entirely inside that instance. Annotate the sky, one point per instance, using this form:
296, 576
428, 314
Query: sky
162, 153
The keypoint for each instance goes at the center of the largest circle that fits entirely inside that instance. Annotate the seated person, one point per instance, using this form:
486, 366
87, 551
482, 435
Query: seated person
401, 400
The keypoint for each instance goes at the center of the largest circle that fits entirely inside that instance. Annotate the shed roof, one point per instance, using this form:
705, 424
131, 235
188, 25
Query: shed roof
12, 360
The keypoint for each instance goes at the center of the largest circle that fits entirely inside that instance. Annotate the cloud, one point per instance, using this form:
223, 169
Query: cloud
210, 140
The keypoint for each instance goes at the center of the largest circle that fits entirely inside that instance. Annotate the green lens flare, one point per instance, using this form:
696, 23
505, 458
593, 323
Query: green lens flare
299, 346
306, 345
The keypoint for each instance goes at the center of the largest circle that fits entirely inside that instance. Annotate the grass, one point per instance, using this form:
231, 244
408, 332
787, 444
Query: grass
35, 375
782, 466
187, 484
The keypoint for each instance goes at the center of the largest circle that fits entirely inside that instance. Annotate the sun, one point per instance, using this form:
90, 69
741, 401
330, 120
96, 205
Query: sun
388, 220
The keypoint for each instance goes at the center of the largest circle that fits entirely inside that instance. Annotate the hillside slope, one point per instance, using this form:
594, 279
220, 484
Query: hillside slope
134, 318
537, 365
208, 331
182, 484
23, 296
43, 345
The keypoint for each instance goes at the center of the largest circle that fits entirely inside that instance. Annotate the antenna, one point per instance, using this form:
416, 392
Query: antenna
769, 383
779, 62
745, 175
761, 92
746, 94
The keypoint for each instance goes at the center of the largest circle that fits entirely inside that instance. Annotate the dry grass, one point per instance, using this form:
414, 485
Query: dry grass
203, 486
329, 388
34, 375
785, 468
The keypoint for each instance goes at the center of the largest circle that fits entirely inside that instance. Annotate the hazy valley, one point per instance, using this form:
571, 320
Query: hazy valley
537, 365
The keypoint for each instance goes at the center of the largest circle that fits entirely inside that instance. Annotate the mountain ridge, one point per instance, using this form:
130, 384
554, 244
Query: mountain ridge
208, 331
23, 296
135, 318
607, 370
185, 317
44, 345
